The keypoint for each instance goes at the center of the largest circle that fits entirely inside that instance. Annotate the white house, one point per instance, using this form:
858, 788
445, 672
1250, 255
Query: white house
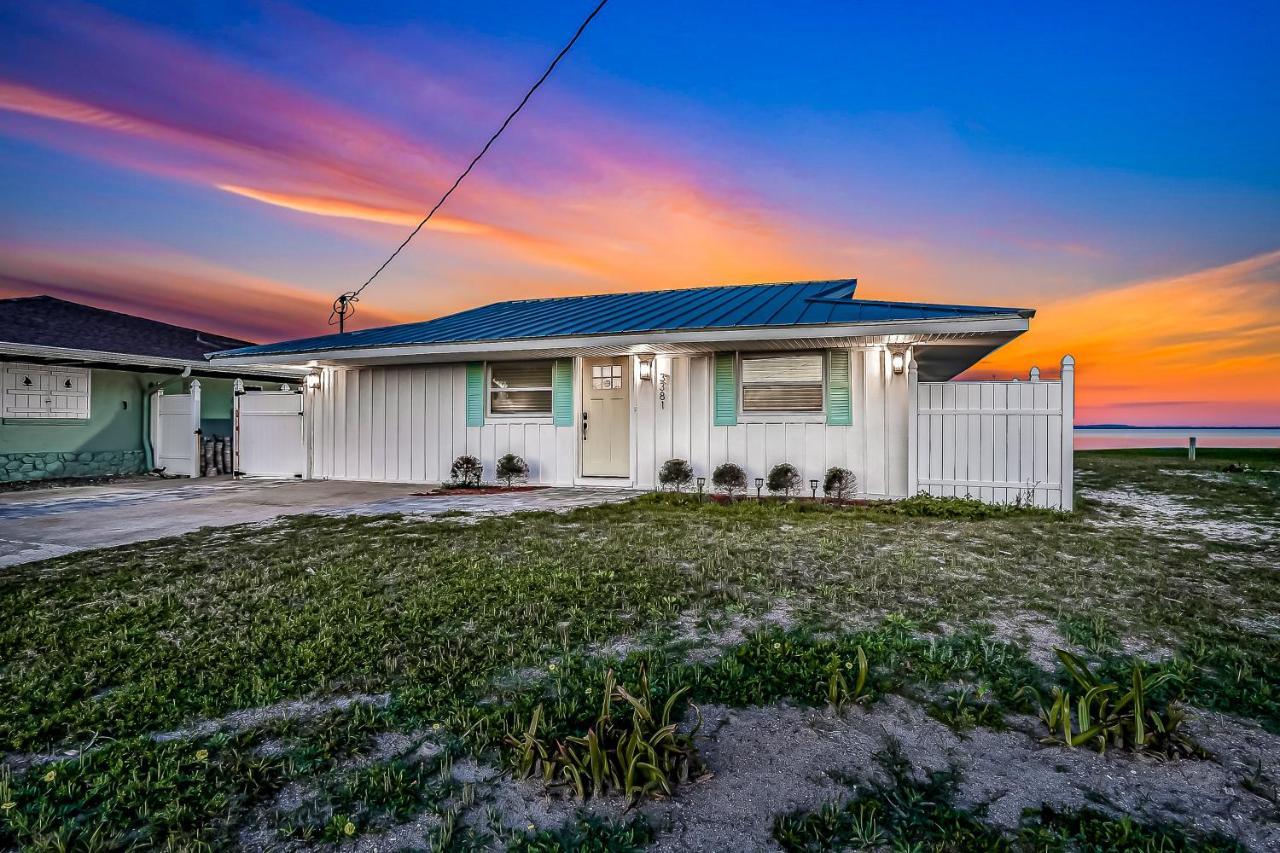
601, 390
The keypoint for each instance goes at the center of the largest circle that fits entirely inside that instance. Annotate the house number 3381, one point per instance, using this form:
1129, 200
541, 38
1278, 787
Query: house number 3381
664, 379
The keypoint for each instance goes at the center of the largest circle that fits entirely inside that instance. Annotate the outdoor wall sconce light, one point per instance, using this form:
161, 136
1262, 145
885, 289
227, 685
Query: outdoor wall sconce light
313, 381
813, 486
646, 369
759, 486
898, 360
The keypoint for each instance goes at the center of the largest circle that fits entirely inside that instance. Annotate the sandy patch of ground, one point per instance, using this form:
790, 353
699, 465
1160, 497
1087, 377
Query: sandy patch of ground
1158, 514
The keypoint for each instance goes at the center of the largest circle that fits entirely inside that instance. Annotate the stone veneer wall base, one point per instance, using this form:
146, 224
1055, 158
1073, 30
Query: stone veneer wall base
47, 466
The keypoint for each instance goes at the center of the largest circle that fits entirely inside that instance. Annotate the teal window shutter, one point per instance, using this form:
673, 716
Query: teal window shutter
475, 393
839, 397
726, 390
562, 392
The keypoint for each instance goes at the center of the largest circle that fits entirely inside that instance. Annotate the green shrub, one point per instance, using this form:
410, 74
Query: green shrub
1106, 714
783, 479
729, 478
637, 756
511, 467
675, 474
466, 471
926, 505
839, 483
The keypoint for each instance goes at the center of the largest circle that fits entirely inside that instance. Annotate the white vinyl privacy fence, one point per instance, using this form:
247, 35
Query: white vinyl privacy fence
176, 431
1001, 442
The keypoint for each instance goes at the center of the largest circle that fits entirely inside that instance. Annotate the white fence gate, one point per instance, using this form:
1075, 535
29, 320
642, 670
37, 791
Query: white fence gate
269, 434
1001, 442
176, 432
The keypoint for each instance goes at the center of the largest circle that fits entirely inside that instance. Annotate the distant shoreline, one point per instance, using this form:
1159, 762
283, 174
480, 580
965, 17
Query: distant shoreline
1116, 437
1176, 427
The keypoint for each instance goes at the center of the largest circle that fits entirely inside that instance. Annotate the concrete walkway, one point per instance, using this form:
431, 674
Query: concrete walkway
43, 523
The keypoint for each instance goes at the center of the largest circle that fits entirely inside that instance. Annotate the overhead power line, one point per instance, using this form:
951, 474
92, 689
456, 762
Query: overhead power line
344, 305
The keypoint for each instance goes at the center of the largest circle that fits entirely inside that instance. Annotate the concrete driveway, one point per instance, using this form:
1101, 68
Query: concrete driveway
43, 523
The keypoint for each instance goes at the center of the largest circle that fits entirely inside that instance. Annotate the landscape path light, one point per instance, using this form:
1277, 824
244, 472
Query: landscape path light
759, 486
813, 484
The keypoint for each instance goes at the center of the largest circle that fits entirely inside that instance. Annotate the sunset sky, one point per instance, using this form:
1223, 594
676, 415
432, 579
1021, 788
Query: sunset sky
234, 166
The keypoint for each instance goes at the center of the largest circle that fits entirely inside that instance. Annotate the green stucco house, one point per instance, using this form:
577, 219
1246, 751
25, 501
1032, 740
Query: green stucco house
80, 385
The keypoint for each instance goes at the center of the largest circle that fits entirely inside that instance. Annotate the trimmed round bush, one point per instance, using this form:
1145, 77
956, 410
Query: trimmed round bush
511, 467
675, 474
466, 471
729, 478
840, 483
783, 479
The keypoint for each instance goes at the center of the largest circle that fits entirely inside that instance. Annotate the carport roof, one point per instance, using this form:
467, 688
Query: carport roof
765, 306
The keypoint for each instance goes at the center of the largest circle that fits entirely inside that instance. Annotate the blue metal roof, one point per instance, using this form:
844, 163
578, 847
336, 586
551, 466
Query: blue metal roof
749, 305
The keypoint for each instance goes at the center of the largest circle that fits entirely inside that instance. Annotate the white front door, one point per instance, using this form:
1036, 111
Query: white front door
606, 417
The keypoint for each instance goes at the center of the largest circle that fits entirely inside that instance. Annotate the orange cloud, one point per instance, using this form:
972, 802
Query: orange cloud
1203, 346
348, 209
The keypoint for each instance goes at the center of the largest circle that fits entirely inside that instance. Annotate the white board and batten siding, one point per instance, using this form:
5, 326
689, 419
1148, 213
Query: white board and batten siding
1000, 442
674, 419
408, 423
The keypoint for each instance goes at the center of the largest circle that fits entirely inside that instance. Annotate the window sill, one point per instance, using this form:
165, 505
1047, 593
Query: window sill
45, 421
519, 419
782, 417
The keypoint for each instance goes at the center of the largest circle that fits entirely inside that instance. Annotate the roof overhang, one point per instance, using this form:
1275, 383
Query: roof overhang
129, 361
975, 337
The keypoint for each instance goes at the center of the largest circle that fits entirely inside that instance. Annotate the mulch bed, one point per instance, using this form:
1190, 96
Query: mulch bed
724, 499
476, 490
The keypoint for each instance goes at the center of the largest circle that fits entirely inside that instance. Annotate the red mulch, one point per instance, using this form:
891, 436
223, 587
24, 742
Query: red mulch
480, 490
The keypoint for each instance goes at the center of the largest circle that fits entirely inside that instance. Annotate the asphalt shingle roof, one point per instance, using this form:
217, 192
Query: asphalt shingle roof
750, 305
52, 322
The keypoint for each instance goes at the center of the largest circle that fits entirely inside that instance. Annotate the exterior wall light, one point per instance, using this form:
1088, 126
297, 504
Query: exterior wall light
313, 381
898, 361
646, 369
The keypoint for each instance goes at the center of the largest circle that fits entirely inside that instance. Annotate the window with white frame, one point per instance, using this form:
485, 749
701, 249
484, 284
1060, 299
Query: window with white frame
782, 382
520, 388
39, 391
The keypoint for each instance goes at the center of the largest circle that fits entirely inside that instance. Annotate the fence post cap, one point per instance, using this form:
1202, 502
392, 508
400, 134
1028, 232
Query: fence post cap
1035, 374
1068, 361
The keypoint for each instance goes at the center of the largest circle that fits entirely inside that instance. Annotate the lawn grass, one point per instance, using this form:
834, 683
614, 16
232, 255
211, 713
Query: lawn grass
467, 627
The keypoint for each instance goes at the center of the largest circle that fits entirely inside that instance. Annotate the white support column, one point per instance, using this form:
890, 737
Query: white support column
1068, 431
157, 434
913, 419
197, 438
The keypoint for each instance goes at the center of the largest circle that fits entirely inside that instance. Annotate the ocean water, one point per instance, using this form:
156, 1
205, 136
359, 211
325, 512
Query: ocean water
1107, 438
